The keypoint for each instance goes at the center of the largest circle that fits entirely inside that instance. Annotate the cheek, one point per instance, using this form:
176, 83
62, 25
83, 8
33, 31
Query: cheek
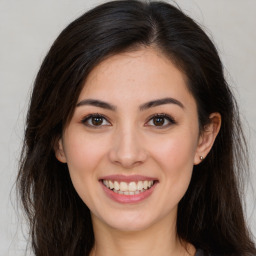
176, 150
176, 161
175, 156
83, 153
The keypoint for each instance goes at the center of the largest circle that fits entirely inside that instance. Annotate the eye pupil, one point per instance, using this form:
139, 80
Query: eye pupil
158, 121
97, 120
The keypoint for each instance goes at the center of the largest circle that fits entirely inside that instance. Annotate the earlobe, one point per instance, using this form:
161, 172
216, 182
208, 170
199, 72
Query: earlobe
59, 151
207, 138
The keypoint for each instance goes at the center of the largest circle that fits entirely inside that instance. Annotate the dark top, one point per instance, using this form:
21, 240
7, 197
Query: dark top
199, 252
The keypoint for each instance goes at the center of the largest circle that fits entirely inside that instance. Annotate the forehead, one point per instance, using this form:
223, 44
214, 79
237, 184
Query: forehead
136, 76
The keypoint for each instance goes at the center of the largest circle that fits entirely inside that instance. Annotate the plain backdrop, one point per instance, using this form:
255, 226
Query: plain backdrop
27, 30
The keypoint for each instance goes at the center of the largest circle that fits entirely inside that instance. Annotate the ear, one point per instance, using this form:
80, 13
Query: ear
207, 137
59, 151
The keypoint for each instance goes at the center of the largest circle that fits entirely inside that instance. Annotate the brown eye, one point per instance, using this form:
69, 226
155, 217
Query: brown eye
95, 120
158, 121
161, 121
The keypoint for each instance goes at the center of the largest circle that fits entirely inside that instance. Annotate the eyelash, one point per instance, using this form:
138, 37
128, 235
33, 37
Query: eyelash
170, 120
89, 117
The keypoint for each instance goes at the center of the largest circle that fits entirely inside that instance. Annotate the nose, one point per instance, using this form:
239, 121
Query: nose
127, 149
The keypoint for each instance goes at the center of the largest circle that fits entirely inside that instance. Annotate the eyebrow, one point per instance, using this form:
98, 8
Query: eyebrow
159, 102
147, 105
96, 103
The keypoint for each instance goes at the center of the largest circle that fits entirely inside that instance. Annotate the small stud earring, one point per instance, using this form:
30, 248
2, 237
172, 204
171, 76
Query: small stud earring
201, 158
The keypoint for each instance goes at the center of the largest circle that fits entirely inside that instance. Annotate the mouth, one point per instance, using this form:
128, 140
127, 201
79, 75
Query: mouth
128, 188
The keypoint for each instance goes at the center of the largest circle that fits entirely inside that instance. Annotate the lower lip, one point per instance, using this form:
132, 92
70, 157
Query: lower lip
128, 199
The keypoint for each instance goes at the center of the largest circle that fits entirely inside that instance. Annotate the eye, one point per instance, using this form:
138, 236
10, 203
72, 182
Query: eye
160, 121
95, 120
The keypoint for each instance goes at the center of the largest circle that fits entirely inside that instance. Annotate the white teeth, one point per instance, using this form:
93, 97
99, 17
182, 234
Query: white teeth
145, 184
106, 183
131, 188
123, 186
111, 185
116, 185
140, 185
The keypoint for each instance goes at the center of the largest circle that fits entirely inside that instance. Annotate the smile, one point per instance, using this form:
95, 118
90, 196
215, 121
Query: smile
128, 188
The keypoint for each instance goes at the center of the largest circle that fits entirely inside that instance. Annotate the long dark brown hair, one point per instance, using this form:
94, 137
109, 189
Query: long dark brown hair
210, 215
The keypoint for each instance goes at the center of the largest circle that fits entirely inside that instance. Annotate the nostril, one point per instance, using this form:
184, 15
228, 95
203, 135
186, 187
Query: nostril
126, 161
127, 151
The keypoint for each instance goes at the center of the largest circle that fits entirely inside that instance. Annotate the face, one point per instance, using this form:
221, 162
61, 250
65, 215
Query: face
132, 141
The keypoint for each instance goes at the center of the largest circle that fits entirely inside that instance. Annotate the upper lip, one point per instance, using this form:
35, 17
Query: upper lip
127, 178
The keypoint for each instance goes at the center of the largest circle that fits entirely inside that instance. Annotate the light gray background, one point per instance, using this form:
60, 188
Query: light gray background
27, 30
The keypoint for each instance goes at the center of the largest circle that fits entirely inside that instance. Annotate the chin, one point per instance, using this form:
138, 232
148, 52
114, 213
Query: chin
130, 226
131, 221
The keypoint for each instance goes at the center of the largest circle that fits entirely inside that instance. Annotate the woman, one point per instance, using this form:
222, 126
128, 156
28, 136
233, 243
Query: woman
133, 142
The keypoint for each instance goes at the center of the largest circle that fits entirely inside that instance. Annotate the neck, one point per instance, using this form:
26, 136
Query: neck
158, 240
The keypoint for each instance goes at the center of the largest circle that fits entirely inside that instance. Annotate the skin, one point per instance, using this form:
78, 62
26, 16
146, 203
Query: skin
129, 142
